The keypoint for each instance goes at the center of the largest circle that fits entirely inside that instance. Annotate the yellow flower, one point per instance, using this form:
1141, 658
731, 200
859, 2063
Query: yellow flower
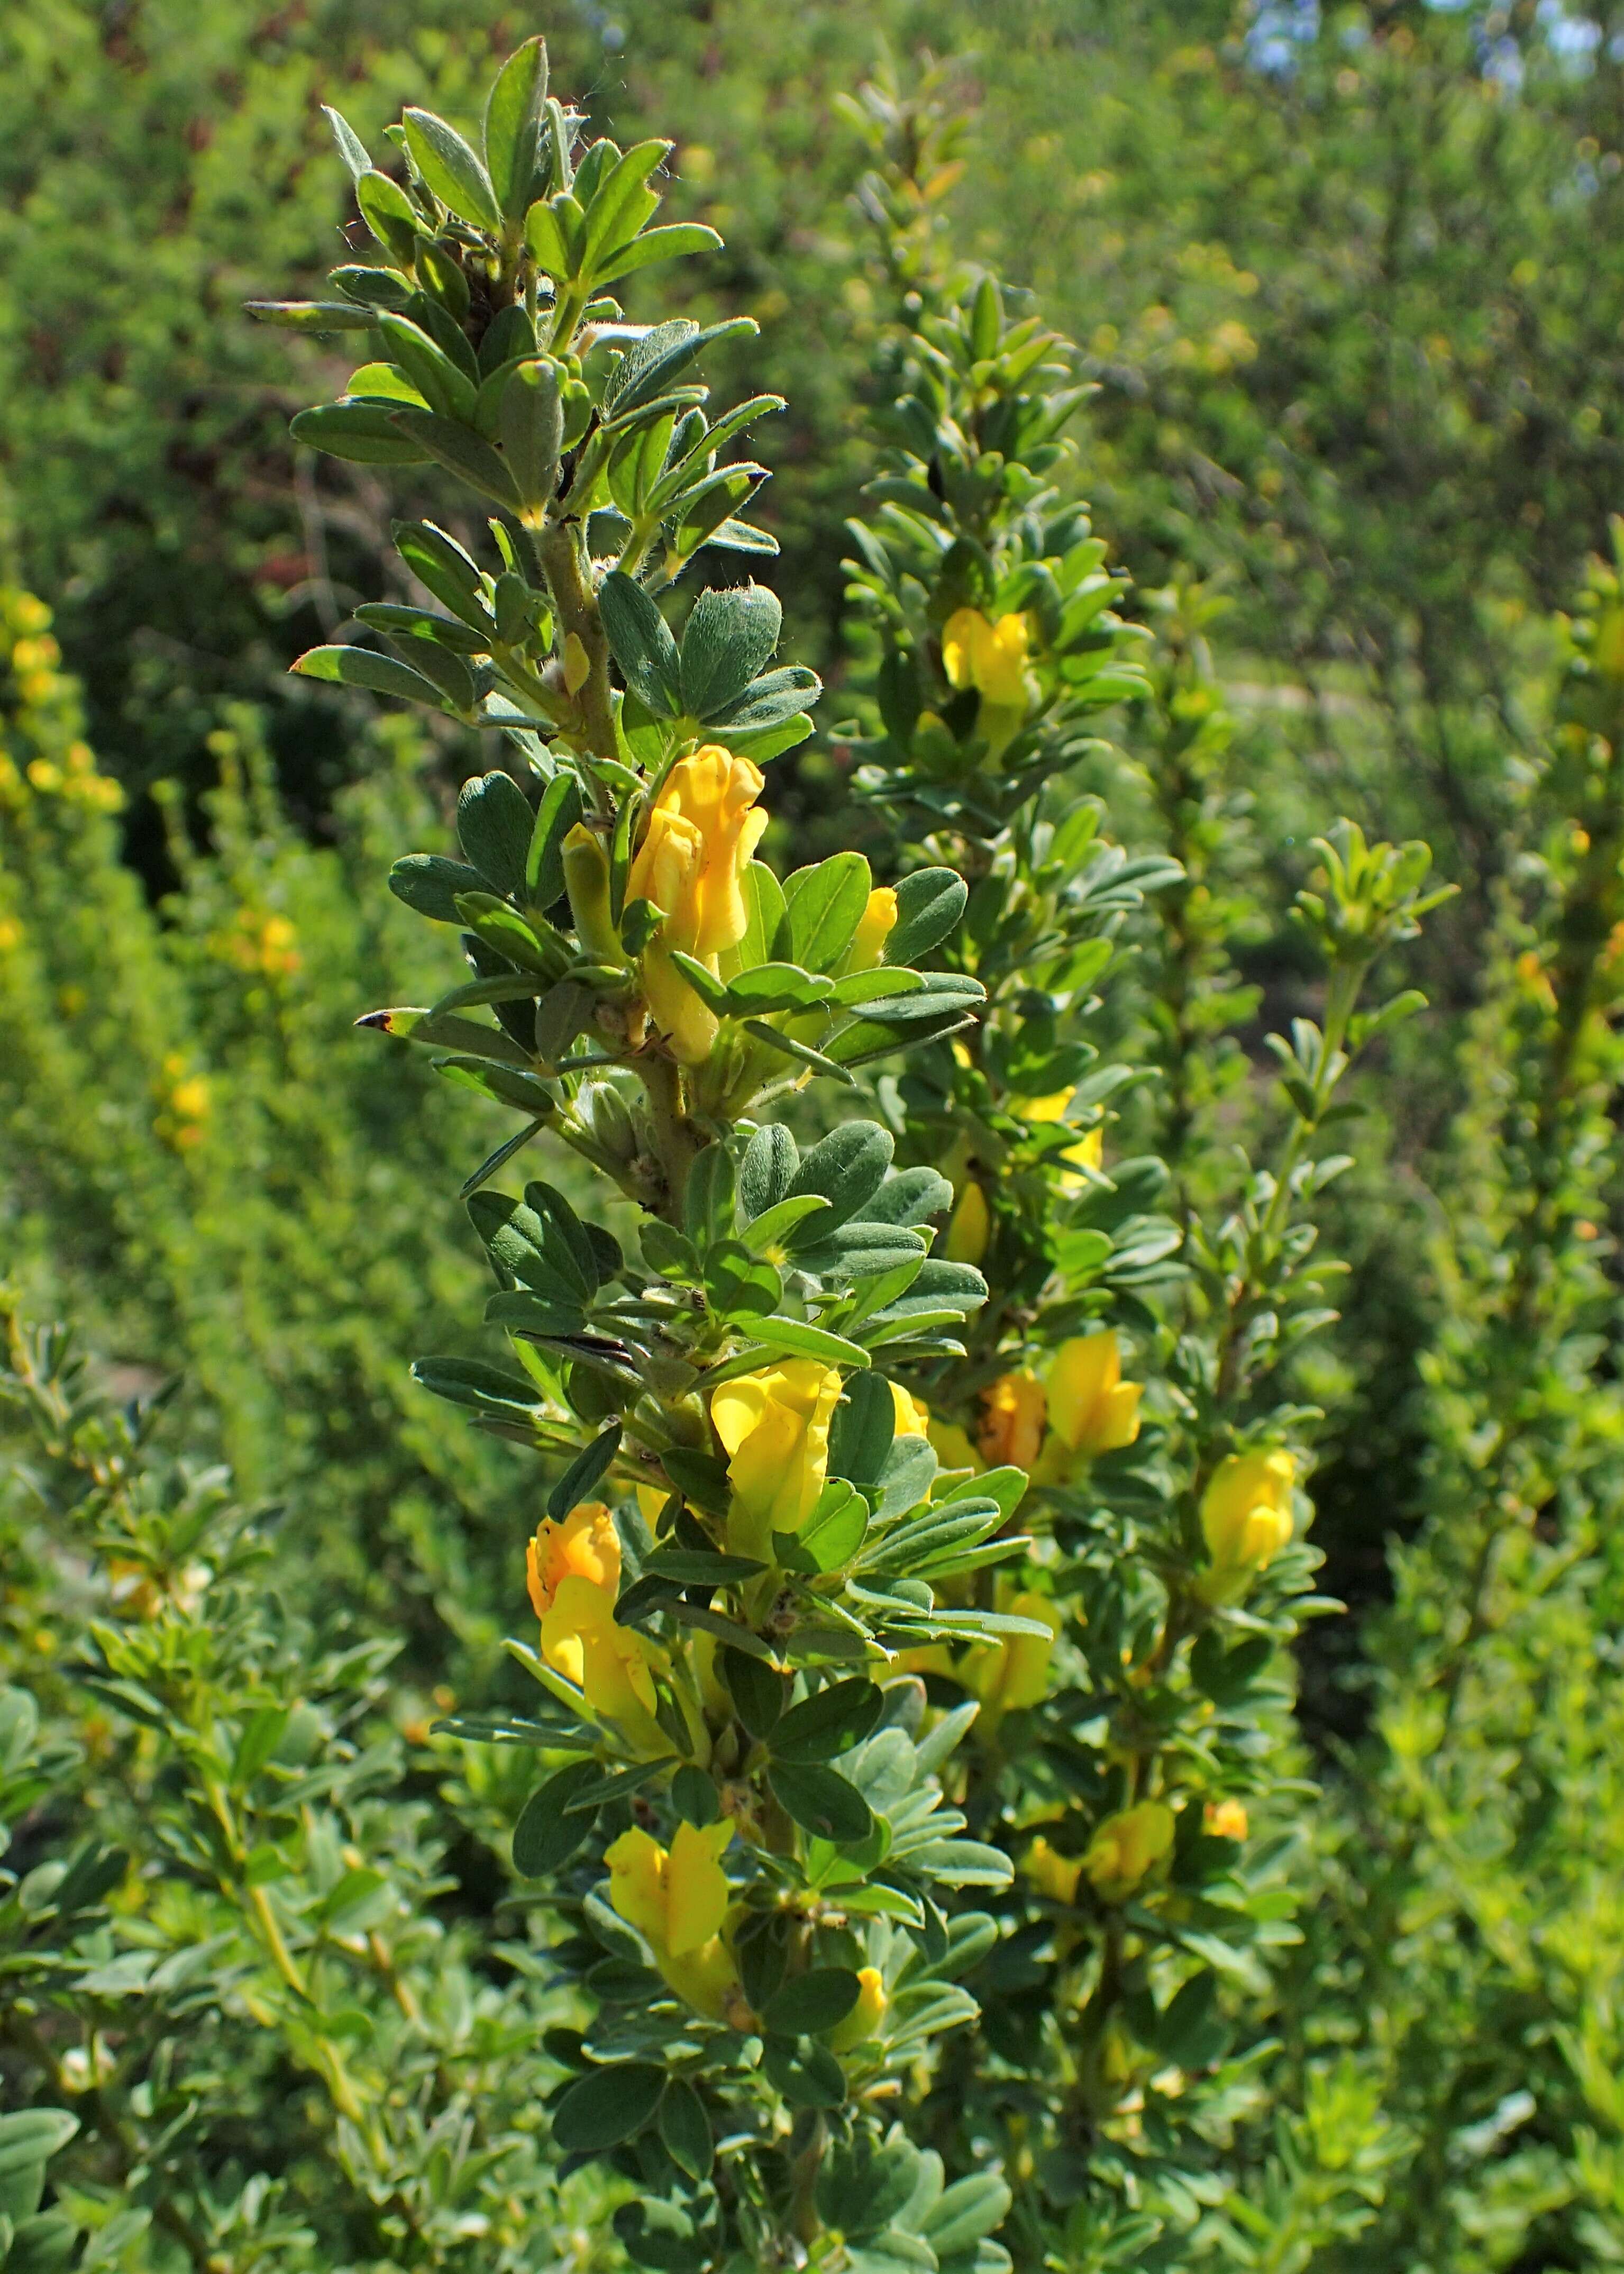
913, 1417
190, 1098
612, 1665
866, 2015
1052, 1874
703, 829
1087, 1153
1090, 1408
586, 1544
1245, 1520
875, 927
775, 1426
1012, 1426
678, 1902
1012, 1673
969, 1228
952, 1446
1225, 1819
1127, 1845
988, 655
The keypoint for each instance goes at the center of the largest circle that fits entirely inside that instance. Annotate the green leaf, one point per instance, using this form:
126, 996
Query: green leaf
727, 638
584, 1473
775, 1223
310, 315
807, 2074
768, 1170
847, 1169
809, 2003
708, 1201
532, 428
640, 642
363, 433
443, 385
740, 1285
462, 454
821, 1802
768, 701
826, 904
828, 1723
834, 1531
685, 2129
695, 1567
453, 577
390, 215
622, 203
963, 2213
929, 905
757, 1691
698, 1477
560, 811
351, 149
494, 825
864, 1426
433, 886
801, 1339
472, 1382
364, 666
451, 170
610, 2105
511, 114
668, 243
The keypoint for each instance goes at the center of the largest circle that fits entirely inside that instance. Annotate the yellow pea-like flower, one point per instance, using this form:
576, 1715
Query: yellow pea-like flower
912, 1416
1245, 1520
1089, 1150
1090, 1408
1014, 1672
1011, 1425
1225, 1819
775, 1426
991, 657
700, 838
677, 1900
875, 927
1127, 1846
586, 1544
952, 1446
614, 1666
969, 1228
873, 2004
1052, 1874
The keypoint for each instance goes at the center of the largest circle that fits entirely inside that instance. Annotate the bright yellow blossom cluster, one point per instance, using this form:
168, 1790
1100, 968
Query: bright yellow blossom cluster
185, 1103
1245, 1520
573, 1571
775, 1426
261, 943
700, 836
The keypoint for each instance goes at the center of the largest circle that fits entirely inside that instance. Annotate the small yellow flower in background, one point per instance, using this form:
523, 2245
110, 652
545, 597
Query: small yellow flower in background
10, 934
866, 2015
1090, 1408
1126, 1846
969, 1228
1245, 1520
913, 1417
1225, 1819
701, 835
991, 657
1089, 1150
875, 927
952, 1446
1012, 1426
190, 1098
612, 1665
586, 1544
186, 1102
1013, 1673
45, 775
1052, 1874
775, 1426
678, 1902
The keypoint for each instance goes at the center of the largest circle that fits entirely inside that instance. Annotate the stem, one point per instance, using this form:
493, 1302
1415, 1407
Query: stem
559, 549
677, 1141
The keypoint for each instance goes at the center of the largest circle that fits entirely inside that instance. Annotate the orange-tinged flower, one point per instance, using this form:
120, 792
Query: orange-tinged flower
991, 657
1012, 1426
1245, 1520
775, 1426
1225, 1819
586, 1543
1128, 1845
700, 838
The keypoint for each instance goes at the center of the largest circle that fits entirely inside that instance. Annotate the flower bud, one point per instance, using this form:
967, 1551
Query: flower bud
1126, 1846
1245, 1520
866, 2015
698, 843
586, 880
1225, 1820
874, 926
1090, 1408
